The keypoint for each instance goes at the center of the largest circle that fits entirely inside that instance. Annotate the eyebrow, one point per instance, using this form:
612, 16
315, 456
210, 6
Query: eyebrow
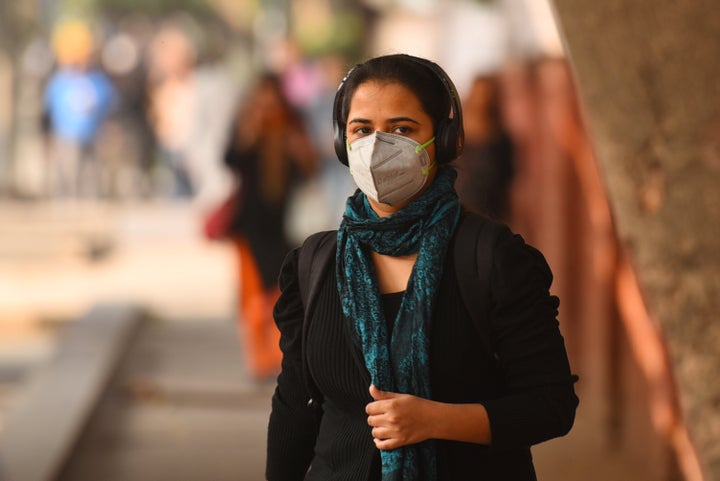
392, 120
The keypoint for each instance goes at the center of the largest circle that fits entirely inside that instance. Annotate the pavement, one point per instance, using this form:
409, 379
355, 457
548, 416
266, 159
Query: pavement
181, 406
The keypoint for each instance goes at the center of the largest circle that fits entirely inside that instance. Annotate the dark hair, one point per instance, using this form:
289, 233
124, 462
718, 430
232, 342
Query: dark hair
425, 79
273, 81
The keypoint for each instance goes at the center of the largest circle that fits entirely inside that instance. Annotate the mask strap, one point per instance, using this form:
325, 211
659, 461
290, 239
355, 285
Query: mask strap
421, 147
427, 169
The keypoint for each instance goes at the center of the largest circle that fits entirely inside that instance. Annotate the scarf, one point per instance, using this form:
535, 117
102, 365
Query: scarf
398, 362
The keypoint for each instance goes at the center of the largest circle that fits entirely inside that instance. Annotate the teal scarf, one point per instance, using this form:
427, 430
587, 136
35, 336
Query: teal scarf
400, 362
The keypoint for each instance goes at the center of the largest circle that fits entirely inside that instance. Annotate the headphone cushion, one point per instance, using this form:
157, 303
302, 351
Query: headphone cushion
339, 141
446, 140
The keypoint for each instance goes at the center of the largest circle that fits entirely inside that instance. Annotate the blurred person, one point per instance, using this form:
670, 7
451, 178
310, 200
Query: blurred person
336, 185
519, 108
309, 83
172, 106
128, 141
78, 98
403, 358
216, 96
486, 166
269, 149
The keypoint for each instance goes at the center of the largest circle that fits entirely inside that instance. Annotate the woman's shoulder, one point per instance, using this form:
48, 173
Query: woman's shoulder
312, 258
510, 255
317, 245
319, 237
480, 234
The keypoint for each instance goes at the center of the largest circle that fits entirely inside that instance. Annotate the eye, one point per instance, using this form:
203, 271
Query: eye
401, 130
361, 131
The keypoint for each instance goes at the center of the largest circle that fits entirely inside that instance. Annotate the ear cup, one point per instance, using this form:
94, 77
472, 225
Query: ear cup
445, 141
452, 140
339, 140
338, 125
449, 133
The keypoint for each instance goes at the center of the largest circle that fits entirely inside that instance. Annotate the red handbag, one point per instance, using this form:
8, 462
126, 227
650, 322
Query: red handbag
219, 220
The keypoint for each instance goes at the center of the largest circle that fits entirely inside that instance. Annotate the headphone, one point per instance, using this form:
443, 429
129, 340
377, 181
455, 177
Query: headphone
449, 134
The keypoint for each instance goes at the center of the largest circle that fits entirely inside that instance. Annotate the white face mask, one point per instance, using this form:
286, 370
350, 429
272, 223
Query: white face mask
389, 168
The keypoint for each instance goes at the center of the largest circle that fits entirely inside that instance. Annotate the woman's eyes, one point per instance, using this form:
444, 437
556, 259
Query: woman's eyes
399, 129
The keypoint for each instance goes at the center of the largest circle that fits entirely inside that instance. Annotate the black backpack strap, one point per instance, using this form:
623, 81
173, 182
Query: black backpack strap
474, 243
313, 260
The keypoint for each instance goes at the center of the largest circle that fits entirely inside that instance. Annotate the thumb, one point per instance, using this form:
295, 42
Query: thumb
378, 395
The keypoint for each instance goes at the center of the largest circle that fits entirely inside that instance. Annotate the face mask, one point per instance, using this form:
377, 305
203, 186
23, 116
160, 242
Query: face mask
389, 168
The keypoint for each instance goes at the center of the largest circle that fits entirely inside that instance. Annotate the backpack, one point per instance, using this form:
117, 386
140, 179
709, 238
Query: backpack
473, 244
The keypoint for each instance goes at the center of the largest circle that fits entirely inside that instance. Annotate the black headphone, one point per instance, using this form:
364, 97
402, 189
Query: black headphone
449, 134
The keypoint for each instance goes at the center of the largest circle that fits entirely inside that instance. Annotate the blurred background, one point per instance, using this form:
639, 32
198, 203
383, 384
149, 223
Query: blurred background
116, 119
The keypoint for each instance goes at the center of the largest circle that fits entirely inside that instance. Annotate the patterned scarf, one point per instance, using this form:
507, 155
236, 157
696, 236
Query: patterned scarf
399, 362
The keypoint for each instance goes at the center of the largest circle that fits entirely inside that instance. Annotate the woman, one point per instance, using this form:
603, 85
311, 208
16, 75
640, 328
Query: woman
486, 169
268, 149
407, 391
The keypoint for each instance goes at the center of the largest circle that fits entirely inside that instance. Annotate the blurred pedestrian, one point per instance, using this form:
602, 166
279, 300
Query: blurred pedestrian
486, 167
78, 98
520, 103
172, 107
128, 141
336, 185
268, 150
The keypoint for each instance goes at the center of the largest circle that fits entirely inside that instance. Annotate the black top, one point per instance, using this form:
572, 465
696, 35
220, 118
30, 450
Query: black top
528, 393
258, 217
391, 306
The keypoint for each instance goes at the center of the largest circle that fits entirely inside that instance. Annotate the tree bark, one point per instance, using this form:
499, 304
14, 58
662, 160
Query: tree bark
649, 79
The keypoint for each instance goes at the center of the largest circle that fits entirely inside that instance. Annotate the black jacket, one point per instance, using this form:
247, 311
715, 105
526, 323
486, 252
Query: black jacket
527, 391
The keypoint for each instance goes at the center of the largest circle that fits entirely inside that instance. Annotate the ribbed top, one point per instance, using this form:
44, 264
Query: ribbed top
345, 440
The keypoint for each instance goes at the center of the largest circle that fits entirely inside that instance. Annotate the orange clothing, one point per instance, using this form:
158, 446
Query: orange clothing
258, 333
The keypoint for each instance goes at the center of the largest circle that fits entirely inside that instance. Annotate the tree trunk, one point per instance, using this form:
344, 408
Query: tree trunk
648, 75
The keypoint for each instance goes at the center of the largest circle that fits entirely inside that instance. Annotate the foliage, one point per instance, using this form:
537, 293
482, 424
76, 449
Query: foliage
149, 7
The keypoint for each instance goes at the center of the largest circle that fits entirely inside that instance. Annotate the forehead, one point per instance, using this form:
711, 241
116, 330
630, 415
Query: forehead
378, 98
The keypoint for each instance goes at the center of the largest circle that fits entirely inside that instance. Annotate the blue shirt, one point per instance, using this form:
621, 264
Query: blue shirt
77, 102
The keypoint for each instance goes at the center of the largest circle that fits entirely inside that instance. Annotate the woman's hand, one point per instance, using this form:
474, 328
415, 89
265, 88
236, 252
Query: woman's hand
398, 419
401, 419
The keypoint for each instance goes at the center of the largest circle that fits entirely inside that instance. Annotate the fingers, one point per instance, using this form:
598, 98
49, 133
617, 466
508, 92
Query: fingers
381, 419
386, 438
398, 419
381, 433
381, 430
379, 395
379, 407
386, 444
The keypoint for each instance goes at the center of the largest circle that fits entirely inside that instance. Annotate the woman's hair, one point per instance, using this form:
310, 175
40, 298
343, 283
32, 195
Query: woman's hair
272, 82
403, 69
426, 80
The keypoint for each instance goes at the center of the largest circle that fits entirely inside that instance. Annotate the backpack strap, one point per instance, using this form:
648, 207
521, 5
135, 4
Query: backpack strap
313, 260
474, 243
